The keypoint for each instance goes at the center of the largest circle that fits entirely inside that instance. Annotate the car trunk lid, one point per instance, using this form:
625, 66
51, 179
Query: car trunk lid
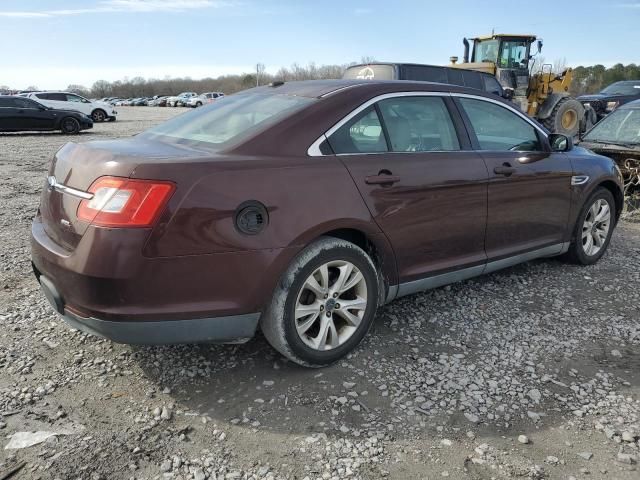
74, 169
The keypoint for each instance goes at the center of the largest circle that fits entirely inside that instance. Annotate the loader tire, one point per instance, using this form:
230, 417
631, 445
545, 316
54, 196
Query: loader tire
565, 117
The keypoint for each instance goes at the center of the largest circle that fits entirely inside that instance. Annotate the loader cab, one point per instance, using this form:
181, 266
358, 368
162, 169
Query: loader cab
508, 57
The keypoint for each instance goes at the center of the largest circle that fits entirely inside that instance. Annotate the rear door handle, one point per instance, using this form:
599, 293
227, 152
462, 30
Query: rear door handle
382, 179
506, 170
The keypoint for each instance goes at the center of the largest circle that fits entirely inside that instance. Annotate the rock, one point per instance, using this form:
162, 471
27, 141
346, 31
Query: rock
533, 416
166, 466
552, 460
578, 413
446, 442
472, 417
199, 474
616, 353
535, 395
523, 439
585, 455
348, 385
166, 413
268, 383
628, 437
627, 458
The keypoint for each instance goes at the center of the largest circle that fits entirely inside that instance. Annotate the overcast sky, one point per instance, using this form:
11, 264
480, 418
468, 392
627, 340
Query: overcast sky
54, 43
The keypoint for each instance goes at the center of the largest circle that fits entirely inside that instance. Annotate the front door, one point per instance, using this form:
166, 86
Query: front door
529, 186
427, 195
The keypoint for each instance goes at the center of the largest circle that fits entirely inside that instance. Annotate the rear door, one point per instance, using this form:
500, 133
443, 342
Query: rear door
529, 186
8, 114
422, 183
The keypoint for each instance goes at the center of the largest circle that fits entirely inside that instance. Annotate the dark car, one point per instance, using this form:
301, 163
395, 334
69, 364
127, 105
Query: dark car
612, 97
427, 73
18, 114
301, 207
618, 137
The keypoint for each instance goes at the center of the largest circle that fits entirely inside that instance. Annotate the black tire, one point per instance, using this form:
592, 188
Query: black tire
98, 115
69, 126
577, 253
198, 104
278, 320
566, 106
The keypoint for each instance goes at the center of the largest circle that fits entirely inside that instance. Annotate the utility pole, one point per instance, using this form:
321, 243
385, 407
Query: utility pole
259, 71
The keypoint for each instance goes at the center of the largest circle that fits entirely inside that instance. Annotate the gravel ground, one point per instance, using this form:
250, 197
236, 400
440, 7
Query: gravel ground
532, 372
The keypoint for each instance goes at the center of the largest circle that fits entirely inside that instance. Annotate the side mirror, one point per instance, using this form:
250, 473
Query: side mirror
560, 143
42, 108
539, 45
507, 93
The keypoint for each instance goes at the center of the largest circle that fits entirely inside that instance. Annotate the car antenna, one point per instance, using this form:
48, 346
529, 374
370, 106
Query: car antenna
276, 83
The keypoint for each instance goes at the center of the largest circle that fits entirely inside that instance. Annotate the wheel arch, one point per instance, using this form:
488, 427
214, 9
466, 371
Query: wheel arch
618, 196
377, 247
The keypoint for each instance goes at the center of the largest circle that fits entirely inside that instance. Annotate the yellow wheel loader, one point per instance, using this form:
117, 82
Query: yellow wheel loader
538, 91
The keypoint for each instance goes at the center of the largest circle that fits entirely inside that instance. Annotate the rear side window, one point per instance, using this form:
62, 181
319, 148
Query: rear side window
370, 72
7, 103
25, 103
498, 128
424, 73
472, 79
492, 85
418, 124
43, 96
361, 134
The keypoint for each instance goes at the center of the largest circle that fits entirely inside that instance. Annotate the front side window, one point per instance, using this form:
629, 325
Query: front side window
229, 120
361, 134
25, 103
498, 128
418, 124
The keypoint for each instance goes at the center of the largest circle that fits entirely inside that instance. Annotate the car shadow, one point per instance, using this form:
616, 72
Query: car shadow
252, 385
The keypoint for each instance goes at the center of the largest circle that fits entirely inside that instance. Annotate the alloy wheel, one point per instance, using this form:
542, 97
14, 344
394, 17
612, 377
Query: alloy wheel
595, 228
330, 305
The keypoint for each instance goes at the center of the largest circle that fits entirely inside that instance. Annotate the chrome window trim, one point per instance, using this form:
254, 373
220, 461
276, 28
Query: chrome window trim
314, 148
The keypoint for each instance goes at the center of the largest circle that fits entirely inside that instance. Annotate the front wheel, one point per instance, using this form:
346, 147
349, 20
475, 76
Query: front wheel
98, 115
593, 229
324, 303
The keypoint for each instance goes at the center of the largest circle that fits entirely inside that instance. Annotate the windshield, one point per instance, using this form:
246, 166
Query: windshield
622, 88
486, 51
229, 119
513, 54
621, 126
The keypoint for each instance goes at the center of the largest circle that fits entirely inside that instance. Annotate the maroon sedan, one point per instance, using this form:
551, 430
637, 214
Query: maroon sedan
301, 207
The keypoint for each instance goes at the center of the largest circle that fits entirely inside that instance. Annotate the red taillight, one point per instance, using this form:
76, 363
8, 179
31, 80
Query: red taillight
122, 202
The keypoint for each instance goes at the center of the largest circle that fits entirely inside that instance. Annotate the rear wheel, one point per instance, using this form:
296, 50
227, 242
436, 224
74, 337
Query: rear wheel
324, 303
98, 115
565, 117
69, 125
593, 229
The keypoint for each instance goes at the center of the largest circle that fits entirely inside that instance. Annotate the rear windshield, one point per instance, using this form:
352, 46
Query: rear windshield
371, 72
229, 120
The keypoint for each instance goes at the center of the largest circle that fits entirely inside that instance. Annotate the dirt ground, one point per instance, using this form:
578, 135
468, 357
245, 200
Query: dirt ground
531, 372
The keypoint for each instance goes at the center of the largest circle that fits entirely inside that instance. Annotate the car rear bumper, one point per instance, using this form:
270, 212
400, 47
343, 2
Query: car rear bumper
227, 329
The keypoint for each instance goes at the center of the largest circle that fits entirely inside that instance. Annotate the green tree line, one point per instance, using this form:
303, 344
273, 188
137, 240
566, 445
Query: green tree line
595, 78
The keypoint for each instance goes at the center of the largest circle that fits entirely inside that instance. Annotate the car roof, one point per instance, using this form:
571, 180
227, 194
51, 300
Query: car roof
323, 88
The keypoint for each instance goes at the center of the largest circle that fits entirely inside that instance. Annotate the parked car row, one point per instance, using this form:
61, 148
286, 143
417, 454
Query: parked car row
185, 99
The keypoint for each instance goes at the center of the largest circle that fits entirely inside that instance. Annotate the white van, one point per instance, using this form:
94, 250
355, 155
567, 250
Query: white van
98, 111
